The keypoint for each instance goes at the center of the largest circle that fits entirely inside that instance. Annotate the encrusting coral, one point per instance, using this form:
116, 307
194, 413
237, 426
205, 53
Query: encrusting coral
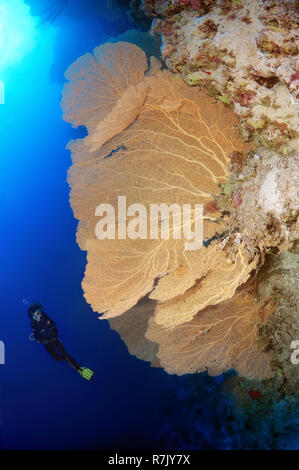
244, 53
219, 338
156, 140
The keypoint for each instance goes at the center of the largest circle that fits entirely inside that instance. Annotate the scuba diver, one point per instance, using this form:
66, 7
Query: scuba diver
44, 331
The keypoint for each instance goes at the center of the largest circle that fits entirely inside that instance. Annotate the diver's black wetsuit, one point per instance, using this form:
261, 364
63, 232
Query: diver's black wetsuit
45, 332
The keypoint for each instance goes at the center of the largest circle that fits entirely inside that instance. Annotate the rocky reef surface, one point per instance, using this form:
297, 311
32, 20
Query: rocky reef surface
244, 53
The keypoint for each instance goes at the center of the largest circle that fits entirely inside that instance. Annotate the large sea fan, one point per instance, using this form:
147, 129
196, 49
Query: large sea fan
153, 139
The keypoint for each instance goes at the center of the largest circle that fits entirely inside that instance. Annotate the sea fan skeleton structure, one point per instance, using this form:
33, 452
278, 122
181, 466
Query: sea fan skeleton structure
154, 139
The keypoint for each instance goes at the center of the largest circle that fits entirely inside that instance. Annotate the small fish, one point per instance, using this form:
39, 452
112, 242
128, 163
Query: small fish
254, 394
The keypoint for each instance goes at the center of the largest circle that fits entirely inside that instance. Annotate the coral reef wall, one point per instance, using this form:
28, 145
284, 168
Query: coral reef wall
244, 53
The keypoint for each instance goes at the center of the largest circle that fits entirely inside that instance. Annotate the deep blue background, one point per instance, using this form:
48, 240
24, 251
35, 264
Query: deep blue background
44, 404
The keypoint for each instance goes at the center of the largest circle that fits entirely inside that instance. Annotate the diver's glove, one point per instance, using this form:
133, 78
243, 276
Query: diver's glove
85, 373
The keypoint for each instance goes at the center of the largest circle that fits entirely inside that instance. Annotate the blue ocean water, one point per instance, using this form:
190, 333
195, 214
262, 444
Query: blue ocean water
43, 404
